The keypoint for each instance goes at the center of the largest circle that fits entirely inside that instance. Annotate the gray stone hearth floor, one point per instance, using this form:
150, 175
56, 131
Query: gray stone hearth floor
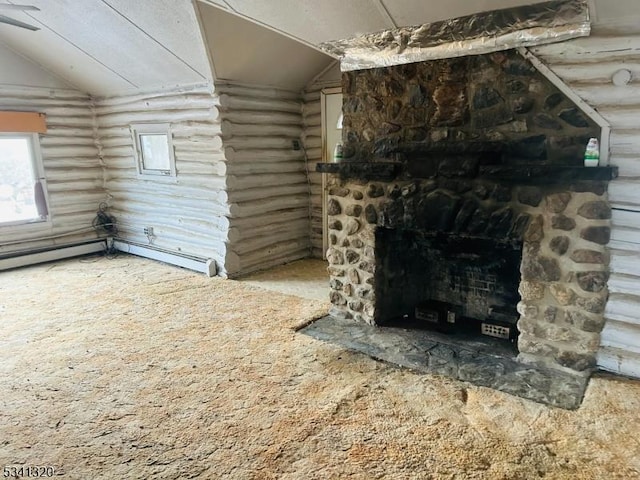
480, 362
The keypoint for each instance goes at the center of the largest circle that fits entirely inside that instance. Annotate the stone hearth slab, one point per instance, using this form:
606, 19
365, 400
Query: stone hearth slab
431, 352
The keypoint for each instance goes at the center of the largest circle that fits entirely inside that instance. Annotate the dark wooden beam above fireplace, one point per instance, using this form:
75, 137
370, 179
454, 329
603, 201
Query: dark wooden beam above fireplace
520, 174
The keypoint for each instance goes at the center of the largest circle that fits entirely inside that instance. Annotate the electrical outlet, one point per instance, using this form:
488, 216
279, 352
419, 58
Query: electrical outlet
295, 144
148, 231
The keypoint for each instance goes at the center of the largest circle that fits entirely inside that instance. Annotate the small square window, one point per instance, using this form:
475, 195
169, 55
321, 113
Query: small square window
154, 150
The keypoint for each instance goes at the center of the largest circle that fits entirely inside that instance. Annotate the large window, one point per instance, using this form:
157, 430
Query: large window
22, 183
154, 150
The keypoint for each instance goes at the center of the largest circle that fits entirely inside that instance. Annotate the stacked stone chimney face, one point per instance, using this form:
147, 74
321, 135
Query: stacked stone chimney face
446, 123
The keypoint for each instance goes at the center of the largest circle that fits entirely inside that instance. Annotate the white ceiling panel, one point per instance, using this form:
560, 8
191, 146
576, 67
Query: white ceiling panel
104, 34
21, 72
618, 10
106, 47
62, 58
417, 12
248, 53
172, 24
315, 21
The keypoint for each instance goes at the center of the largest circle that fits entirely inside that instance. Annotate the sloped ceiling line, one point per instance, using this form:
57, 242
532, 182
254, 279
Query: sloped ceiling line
78, 47
385, 13
262, 24
168, 50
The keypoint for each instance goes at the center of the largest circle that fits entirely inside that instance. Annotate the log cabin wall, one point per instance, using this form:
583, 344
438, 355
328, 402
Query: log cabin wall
189, 215
267, 184
312, 141
72, 167
587, 65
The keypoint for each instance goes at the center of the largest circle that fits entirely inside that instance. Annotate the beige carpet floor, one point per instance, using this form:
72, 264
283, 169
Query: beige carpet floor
130, 369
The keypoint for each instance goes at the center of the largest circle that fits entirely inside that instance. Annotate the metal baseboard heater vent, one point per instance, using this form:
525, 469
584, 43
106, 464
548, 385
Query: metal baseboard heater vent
198, 264
49, 254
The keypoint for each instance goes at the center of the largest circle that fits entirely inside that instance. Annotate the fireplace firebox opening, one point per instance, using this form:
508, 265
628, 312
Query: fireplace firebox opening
451, 283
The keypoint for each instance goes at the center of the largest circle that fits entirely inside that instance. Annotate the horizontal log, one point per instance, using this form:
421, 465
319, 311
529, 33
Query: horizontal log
190, 129
625, 142
49, 141
61, 131
312, 120
120, 131
132, 216
622, 218
622, 335
194, 89
70, 175
236, 182
67, 122
312, 108
624, 192
28, 243
252, 143
160, 116
81, 192
266, 192
83, 112
255, 208
592, 49
599, 73
312, 131
42, 105
169, 102
243, 102
221, 88
313, 153
170, 225
146, 210
311, 143
180, 243
620, 283
265, 168
258, 155
91, 164
607, 94
310, 96
206, 169
297, 227
212, 146
625, 262
120, 151
259, 117
231, 129
71, 151
134, 189
623, 308
275, 237
275, 255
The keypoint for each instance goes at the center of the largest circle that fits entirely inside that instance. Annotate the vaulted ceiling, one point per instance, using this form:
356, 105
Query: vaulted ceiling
107, 47
314, 22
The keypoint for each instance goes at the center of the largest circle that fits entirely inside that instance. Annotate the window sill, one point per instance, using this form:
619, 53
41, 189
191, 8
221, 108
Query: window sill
26, 226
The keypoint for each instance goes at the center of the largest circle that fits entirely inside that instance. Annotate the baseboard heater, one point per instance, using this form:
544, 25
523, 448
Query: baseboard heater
198, 264
49, 254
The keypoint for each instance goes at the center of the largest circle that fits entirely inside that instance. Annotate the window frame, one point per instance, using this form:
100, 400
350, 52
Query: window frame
38, 169
139, 129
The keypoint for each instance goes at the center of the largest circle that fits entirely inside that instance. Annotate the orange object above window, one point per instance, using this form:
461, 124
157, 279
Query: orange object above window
23, 122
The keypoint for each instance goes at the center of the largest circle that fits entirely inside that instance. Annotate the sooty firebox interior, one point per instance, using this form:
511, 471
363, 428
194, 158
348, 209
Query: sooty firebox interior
448, 282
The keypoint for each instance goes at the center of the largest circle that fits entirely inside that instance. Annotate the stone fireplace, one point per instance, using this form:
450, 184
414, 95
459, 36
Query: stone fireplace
463, 207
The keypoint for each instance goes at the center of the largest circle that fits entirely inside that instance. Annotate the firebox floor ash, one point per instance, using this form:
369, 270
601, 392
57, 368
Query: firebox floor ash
480, 360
